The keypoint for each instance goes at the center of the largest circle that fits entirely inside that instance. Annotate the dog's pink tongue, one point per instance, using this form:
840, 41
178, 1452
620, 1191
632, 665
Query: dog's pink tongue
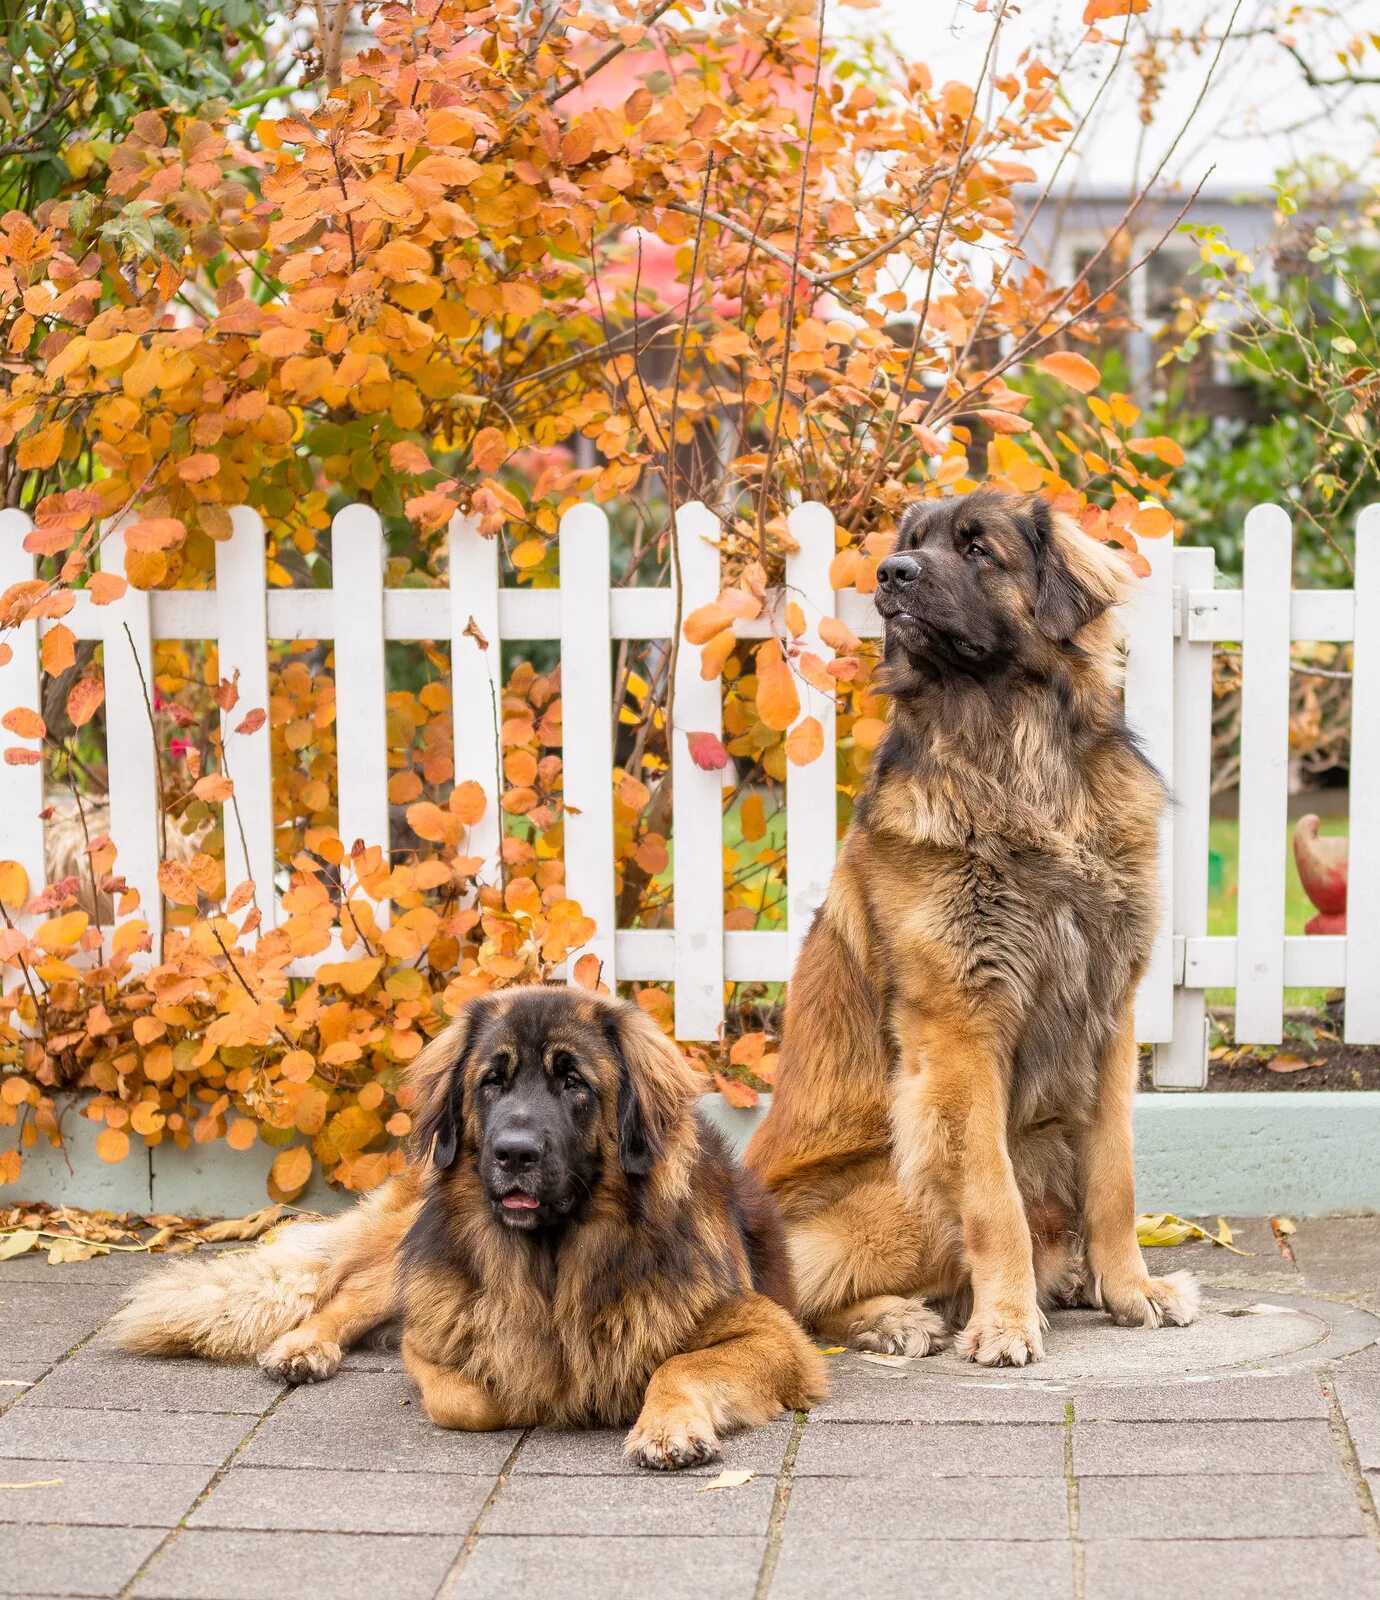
520, 1202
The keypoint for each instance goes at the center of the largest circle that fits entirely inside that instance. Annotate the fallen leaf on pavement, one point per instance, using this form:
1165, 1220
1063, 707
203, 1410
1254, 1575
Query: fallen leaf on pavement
887, 1361
727, 1480
36, 1483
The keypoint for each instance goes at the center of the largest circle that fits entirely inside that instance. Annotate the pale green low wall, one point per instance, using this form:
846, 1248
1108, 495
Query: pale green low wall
1196, 1154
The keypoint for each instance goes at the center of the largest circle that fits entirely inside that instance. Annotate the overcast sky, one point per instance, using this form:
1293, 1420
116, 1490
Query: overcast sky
1258, 116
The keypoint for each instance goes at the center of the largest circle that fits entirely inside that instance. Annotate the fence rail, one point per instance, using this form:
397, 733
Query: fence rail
1176, 618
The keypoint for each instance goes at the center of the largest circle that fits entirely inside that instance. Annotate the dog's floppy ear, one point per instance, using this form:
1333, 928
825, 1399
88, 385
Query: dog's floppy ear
1077, 578
655, 1085
438, 1074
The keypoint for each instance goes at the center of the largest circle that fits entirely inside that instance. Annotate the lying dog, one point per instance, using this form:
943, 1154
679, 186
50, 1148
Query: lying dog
571, 1245
950, 1136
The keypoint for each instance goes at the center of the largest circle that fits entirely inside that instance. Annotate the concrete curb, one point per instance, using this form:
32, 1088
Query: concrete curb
1304, 1154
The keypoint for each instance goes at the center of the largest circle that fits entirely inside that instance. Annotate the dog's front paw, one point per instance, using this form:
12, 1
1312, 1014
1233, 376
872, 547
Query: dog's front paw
1002, 1337
1152, 1302
897, 1327
672, 1442
300, 1357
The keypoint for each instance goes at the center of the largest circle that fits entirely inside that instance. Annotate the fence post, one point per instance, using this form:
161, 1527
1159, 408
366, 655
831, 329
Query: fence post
1150, 714
697, 798
1264, 805
476, 671
242, 646
587, 724
21, 787
132, 753
811, 797
361, 725
1363, 858
1182, 1062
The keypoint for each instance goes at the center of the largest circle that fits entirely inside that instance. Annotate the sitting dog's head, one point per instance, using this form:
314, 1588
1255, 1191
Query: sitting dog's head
542, 1093
987, 580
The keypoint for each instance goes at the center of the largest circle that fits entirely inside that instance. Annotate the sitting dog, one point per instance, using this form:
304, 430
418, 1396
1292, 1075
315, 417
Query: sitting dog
571, 1245
950, 1134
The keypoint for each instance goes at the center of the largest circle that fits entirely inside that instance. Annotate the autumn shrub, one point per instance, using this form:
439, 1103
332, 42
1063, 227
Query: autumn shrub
507, 259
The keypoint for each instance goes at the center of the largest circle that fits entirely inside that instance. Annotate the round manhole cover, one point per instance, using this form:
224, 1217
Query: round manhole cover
1233, 1331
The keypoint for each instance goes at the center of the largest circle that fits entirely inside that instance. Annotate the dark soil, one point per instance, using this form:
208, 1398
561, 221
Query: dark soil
1313, 1056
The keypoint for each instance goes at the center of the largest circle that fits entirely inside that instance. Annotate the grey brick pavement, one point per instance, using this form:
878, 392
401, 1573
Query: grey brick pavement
1241, 1460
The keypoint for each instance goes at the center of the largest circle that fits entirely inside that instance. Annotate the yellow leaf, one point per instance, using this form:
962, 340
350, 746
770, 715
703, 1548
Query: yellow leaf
17, 1242
805, 742
40, 450
112, 1144
60, 932
14, 883
354, 977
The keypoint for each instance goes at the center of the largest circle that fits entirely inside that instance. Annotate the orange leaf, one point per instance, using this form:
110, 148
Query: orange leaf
488, 450
85, 700
778, 699
291, 1169
24, 722
705, 621
587, 971
112, 1144
177, 883
738, 1094
1071, 368
805, 742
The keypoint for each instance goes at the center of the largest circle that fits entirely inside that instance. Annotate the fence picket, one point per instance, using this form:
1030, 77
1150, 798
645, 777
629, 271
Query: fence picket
1264, 804
1363, 865
1181, 1061
476, 679
361, 724
697, 799
1150, 714
587, 749
131, 751
242, 647
21, 787
811, 799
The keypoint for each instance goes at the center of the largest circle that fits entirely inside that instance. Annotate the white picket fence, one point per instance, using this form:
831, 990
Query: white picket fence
1177, 616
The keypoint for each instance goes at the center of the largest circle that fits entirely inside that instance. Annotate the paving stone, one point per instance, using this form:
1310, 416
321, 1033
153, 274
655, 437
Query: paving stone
73, 1561
1267, 1265
610, 1569
100, 1492
1358, 1393
863, 1391
101, 1379
30, 1433
888, 1508
342, 1502
1257, 1396
1179, 1447
370, 1421
125, 1267
44, 1341
655, 1503
826, 1569
17, 1378
1340, 1255
1219, 1506
944, 1450
37, 1304
213, 1565
599, 1451
1237, 1569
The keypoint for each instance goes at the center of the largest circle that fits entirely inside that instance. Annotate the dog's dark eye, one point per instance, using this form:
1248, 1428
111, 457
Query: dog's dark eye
977, 551
493, 1078
565, 1067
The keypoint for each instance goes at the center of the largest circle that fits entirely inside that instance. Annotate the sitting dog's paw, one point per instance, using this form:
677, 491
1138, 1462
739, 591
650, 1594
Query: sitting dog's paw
1152, 1302
1002, 1337
897, 1327
300, 1357
671, 1443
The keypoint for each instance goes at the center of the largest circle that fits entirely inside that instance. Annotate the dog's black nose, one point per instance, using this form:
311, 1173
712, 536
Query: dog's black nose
517, 1150
897, 571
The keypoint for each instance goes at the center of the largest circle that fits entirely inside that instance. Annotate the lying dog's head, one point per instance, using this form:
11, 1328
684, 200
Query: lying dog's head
984, 581
541, 1093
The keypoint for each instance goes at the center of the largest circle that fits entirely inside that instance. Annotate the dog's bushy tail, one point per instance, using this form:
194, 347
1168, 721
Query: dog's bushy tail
231, 1307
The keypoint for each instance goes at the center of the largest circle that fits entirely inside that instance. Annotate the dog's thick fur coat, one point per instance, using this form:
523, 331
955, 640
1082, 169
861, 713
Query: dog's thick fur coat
950, 1134
660, 1291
